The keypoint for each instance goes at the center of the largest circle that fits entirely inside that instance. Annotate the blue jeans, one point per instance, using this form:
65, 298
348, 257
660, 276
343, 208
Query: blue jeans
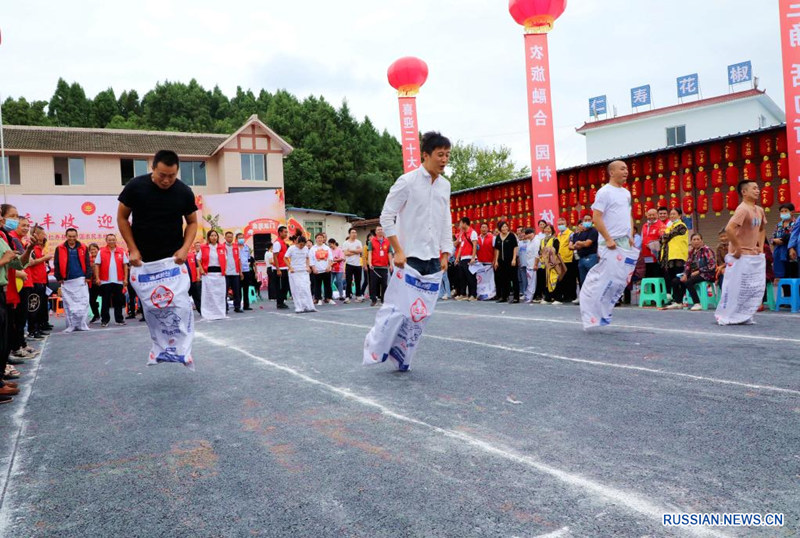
444, 289
584, 265
522, 276
425, 267
338, 281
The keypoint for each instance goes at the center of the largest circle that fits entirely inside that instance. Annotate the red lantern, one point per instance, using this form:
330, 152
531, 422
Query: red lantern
766, 144
573, 180
674, 202
767, 169
519, 189
536, 15
731, 175
527, 205
564, 215
562, 181
674, 161
717, 201
583, 178
702, 205
686, 158
729, 151
635, 168
783, 167
780, 143
661, 163
716, 177
592, 194
662, 202
592, 176
733, 200
688, 182
601, 175
573, 198
638, 210
648, 205
649, 187
688, 204
636, 188
526, 188
504, 209
715, 153
583, 196
749, 170
573, 217
648, 166
701, 180
767, 196
406, 75
586, 212
661, 185
563, 199
784, 192
748, 148
700, 156
674, 184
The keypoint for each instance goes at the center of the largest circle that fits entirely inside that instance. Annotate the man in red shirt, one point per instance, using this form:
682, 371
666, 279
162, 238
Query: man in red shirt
111, 270
279, 249
466, 255
379, 261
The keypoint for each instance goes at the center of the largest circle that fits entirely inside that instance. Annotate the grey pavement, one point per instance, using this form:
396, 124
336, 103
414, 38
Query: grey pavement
512, 422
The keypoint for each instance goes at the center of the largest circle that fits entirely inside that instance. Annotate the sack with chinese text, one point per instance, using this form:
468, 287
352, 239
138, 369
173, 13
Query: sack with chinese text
484, 274
742, 289
604, 285
163, 291
409, 301
75, 297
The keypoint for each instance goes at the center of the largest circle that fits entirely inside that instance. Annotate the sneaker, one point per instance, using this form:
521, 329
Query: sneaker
462, 298
130, 316
47, 327
119, 323
5, 390
576, 301
556, 302
674, 306
319, 303
141, 320
283, 306
473, 299
104, 324
445, 298
696, 307
500, 301
331, 301
36, 336
94, 319
32, 350
43, 332
347, 301
359, 299
373, 303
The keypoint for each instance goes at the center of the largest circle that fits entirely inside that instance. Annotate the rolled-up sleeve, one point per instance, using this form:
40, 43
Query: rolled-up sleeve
395, 201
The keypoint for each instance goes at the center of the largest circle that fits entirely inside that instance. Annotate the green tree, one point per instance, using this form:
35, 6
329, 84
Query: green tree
69, 106
104, 108
129, 104
471, 166
21, 112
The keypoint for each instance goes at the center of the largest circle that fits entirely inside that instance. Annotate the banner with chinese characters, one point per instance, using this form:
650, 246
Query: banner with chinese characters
256, 212
790, 43
412, 159
540, 114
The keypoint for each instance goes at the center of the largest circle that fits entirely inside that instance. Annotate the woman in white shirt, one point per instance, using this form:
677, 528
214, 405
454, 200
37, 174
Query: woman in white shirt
321, 262
214, 292
299, 262
353, 250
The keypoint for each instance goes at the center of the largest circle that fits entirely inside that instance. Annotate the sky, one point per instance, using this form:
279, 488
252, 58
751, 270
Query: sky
475, 91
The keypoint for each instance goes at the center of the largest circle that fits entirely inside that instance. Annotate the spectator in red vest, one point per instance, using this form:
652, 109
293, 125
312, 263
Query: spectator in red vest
195, 290
111, 271
233, 271
466, 255
279, 248
38, 310
72, 265
212, 266
16, 229
379, 261
94, 284
652, 230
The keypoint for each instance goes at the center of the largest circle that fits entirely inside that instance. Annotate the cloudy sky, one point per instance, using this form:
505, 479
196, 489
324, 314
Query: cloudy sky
341, 50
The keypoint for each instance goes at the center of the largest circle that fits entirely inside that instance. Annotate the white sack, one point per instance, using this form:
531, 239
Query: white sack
605, 283
213, 296
300, 285
484, 274
742, 289
75, 296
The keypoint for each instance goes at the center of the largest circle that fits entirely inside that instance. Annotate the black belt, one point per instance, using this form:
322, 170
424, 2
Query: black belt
214, 270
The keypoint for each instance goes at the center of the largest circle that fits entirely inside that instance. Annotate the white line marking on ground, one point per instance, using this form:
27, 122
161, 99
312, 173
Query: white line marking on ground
714, 333
617, 496
560, 533
586, 361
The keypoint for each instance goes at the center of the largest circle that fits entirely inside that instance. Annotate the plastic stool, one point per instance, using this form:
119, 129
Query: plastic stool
770, 302
653, 290
59, 306
253, 295
706, 299
793, 297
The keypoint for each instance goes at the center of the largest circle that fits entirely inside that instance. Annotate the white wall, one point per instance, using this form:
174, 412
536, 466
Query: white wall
650, 134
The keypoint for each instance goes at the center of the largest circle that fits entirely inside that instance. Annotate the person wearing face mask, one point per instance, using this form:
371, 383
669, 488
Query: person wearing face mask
248, 271
585, 244
553, 266
783, 266
652, 230
674, 250
566, 291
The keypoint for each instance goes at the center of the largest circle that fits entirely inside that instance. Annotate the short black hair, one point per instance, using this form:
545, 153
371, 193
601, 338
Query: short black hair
5, 208
352, 230
212, 231
111, 235
281, 228
484, 224
466, 220
300, 239
789, 206
698, 234
541, 221
663, 208
70, 230
240, 233
319, 234
742, 183
501, 223
95, 245
166, 156
334, 241
529, 231
229, 232
433, 140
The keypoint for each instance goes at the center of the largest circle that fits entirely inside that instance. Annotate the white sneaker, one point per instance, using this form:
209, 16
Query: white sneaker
359, 299
674, 306
331, 301
320, 303
347, 301
696, 307
556, 302
576, 301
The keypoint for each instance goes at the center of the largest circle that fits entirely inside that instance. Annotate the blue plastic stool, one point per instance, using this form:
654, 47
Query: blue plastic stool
253, 294
653, 290
707, 299
791, 299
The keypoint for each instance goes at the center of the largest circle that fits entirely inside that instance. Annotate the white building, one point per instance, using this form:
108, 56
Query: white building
680, 124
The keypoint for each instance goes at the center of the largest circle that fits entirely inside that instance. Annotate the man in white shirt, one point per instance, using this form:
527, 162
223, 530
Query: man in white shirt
612, 209
416, 213
321, 260
111, 271
233, 272
353, 249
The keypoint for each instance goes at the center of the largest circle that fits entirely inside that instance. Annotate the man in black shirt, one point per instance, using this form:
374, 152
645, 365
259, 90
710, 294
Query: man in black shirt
585, 243
159, 204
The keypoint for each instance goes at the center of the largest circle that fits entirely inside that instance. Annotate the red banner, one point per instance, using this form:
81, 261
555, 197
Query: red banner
540, 118
412, 159
790, 43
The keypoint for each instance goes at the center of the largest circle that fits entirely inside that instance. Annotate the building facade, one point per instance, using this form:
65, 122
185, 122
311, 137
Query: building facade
334, 225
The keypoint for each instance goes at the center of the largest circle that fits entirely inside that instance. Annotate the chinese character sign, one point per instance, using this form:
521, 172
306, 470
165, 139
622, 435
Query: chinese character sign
741, 72
540, 114
790, 43
688, 85
409, 133
597, 105
640, 96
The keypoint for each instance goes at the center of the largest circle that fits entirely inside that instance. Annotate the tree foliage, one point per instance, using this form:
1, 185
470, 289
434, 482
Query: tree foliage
339, 163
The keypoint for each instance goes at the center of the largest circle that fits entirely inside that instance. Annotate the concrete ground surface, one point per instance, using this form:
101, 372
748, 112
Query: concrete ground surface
512, 422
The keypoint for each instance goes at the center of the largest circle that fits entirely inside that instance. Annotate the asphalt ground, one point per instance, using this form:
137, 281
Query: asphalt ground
512, 422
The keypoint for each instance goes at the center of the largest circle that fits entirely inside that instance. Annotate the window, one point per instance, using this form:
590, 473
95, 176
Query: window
253, 167
131, 168
313, 227
193, 173
676, 135
9, 173
69, 171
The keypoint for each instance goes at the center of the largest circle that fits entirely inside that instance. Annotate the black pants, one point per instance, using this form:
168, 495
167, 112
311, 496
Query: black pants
470, 280
21, 317
653, 270
111, 294
272, 280
249, 281
196, 293
365, 286
16, 335
378, 281
94, 294
507, 281
540, 284
680, 288
320, 280
39, 310
4, 349
425, 267
672, 273
233, 283
132, 310
352, 276
566, 289
281, 286
456, 282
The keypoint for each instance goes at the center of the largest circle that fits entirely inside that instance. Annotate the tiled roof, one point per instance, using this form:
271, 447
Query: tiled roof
114, 141
670, 109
